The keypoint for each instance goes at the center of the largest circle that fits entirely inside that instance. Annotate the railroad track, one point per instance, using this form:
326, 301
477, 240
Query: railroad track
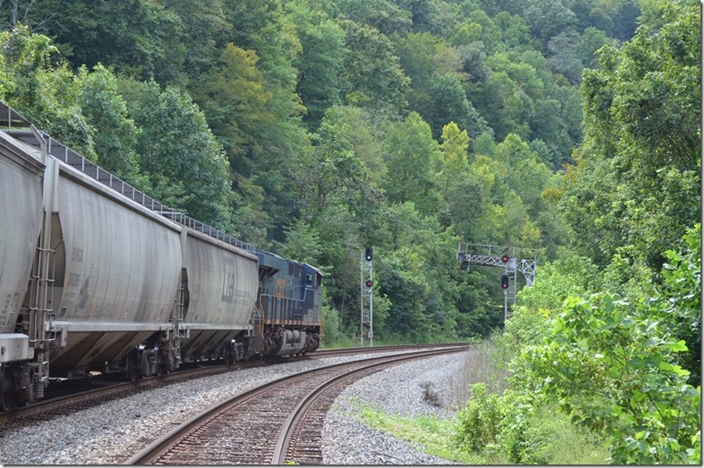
277, 423
63, 404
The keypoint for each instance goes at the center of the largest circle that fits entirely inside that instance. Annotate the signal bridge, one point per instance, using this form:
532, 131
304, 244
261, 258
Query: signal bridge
511, 259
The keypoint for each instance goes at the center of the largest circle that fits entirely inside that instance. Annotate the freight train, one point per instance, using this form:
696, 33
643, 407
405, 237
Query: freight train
95, 276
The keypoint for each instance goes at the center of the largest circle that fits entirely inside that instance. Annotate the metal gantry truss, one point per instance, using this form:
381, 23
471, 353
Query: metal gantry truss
519, 260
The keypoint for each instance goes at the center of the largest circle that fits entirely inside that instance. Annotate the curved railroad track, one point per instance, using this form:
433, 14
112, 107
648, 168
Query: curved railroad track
279, 422
76, 397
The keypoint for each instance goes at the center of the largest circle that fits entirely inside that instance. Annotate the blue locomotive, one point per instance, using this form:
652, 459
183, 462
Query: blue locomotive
289, 303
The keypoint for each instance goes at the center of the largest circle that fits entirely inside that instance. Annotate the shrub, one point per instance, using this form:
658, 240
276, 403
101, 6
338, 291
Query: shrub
480, 420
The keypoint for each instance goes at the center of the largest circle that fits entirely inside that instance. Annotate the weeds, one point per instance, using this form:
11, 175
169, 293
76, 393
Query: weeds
485, 362
430, 395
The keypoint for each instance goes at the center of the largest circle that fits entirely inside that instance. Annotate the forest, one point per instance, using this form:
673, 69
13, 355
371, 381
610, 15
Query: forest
314, 128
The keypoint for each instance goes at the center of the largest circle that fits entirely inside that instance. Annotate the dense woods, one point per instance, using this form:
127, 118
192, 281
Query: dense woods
312, 128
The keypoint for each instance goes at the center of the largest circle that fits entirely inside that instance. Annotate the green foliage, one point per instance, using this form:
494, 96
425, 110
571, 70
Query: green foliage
384, 15
141, 38
204, 28
620, 367
448, 103
682, 279
510, 428
412, 157
114, 133
638, 175
609, 365
615, 366
331, 327
42, 88
320, 63
318, 127
186, 167
233, 98
373, 74
480, 420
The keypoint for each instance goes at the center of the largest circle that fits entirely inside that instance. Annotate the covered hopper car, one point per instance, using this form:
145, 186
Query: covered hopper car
97, 276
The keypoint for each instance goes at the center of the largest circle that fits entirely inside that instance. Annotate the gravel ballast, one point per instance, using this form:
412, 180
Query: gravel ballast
111, 433
398, 391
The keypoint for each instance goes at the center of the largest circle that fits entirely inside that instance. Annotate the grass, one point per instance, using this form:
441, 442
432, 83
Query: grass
434, 435
571, 445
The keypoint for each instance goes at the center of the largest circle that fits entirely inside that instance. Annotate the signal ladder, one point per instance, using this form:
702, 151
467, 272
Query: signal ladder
365, 275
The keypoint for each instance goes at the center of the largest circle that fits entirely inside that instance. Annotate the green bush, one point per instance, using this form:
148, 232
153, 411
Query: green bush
480, 420
513, 428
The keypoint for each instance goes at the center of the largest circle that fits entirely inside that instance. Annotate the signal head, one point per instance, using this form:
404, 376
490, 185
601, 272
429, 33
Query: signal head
369, 283
504, 281
505, 258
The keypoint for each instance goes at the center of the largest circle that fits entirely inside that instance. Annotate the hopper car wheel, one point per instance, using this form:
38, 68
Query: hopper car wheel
133, 373
7, 389
229, 356
162, 368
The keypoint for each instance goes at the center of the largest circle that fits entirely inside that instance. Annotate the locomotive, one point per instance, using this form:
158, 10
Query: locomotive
97, 276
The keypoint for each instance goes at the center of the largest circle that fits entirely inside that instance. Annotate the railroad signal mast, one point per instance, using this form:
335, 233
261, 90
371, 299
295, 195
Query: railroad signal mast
511, 259
366, 283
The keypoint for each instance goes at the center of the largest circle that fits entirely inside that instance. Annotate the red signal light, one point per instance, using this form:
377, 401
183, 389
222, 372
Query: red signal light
369, 283
504, 258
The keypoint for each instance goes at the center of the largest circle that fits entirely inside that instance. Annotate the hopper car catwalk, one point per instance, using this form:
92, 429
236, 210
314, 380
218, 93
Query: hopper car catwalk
97, 276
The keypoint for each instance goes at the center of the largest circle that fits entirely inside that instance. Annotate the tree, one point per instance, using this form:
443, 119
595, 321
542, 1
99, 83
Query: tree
234, 99
186, 168
383, 15
41, 86
264, 29
449, 104
642, 109
422, 57
356, 127
141, 38
415, 275
546, 18
564, 59
591, 41
454, 148
461, 188
527, 175
114, 133
489, 32
625, 19
330, 174
204, 31
320, 63
373, 75
412, 157
514, 30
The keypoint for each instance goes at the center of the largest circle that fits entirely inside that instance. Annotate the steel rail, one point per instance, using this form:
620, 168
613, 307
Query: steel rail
299, 412
122, 387
164, 444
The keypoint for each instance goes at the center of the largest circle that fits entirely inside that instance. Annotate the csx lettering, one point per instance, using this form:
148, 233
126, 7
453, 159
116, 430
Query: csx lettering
228, 288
